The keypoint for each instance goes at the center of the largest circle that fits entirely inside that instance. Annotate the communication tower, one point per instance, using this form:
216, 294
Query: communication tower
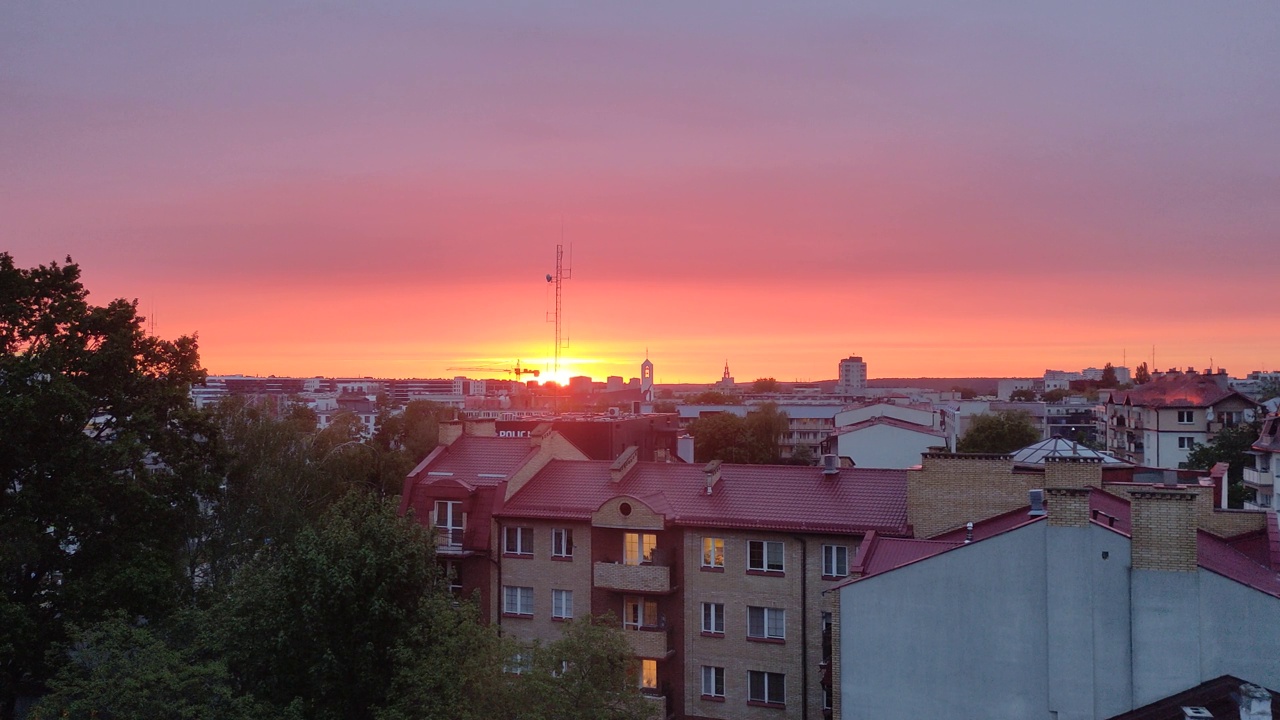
562, 273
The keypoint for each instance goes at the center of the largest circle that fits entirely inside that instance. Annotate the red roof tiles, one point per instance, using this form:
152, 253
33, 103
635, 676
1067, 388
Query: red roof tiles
765, 497
1177, 391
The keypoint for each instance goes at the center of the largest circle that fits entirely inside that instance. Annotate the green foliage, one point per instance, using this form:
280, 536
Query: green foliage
1231, 445
102, 462
588, 674
118, 670
965, 393
665, 406
1141, 375
1109, 379
733, 439
801, 455
766, 385
1023, 395
324, 621
1056, 395
1000, 432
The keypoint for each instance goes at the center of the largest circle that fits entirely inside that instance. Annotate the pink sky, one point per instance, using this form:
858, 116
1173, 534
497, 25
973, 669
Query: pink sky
985, 191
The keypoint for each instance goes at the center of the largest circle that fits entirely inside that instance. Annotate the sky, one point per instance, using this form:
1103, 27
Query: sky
378, 188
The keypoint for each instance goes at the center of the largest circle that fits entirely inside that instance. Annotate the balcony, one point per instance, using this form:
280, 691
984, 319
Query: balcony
1257, 478
657, 704
652, 579
650, 643
449, 540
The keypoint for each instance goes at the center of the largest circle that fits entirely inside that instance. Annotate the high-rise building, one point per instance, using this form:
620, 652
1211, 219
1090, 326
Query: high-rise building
853, 376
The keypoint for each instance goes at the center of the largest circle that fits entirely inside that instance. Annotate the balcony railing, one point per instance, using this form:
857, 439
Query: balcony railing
650, 643
1257, 478
633, 578
449, 539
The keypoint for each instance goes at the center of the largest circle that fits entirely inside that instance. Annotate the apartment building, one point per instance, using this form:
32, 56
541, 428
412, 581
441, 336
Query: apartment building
1160, 423
1265, 473
716, 572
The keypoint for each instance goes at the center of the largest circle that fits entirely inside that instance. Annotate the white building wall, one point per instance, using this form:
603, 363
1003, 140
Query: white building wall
885, 446
852, 416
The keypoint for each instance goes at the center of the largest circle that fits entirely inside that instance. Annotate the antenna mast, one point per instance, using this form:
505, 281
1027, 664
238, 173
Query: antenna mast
562, 273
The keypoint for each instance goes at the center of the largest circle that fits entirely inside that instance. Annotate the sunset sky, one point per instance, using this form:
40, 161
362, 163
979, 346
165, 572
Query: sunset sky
948, 189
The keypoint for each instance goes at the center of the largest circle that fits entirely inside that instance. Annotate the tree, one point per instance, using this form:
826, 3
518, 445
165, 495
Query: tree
1001, 432
1141, 375
766, 426
329, 621
713, 397
1023, 395
965, 393
765, 385
720, 436
1231, 445
1056, 395
1109, 379
103, 466
588, 674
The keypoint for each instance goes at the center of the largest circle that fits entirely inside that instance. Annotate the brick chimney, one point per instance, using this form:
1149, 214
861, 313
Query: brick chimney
481, 428
1073, 472
450, 431
623, 464
1068, 506
712, 471
1163, 530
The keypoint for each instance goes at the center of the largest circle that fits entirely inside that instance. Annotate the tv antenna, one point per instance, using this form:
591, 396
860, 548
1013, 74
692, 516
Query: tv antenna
562, 273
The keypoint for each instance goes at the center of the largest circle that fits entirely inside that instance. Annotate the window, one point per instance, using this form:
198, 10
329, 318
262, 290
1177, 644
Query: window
1186, 417
649, 674
713, 618
562, 604
517, 600
519, 541
451, 573
638, 548
835, 560
712, 552
562, 543
1186, 443
449, 524
519, 663
766, 687
766, 623
638, 612
764, 556
712, 681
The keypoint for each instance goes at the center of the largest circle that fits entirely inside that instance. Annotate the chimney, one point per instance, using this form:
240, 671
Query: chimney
486, 427
1163, 530
1068, 507
1076, 472
712, 471
539, 434
450, 431
1255, 702
623, 464
830, 465
1036, 499
1196, 713
968, 533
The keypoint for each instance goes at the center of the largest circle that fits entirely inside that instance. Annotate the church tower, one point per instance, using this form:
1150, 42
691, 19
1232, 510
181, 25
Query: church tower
646, 380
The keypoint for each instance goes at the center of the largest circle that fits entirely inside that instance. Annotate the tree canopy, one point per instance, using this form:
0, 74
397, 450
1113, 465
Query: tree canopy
766, 385
755, 438
1231, 445
1000, 432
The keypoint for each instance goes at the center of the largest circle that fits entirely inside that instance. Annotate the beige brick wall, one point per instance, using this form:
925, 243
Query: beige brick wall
1073, 472
544, 574
638, 517
1224, 523
1163, 533
950, 490
738, 590
1068, 506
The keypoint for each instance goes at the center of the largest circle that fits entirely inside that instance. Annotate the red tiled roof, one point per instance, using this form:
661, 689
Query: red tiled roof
891, 422
478, 460
885, 554
1253, 546
766, 497
1269, 438
1215, 555
1177, 391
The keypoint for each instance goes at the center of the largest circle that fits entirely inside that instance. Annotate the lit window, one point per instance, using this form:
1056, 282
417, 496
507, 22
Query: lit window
835, 560
638, 548
519, 541
649, 674
767, 687
517, 600
712, 681
562, 543
562, 604
766, 623
638, 612
713, 618
764, 555
712, 552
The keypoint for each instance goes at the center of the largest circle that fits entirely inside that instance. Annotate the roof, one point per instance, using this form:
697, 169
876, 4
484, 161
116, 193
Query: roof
480, 461
1178, 391
1060, 447
1269, 438
891, 422
764, 497
1214, 696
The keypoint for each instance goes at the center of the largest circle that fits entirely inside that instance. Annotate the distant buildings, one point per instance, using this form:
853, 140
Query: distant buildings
852, 379
1263, 477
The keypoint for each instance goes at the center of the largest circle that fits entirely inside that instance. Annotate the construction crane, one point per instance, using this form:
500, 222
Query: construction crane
517, 370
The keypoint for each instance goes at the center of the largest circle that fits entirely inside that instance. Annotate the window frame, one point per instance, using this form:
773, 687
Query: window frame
523, 541
1190, 416
523, 604
716, 676
766, 566
562, 543
561, 604
641, 551
1186, 442
830, 568
770, 618
714, 612
453, 509
709, 547
768, 681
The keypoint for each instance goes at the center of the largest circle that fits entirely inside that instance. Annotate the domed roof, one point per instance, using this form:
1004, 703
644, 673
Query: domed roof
1060, 447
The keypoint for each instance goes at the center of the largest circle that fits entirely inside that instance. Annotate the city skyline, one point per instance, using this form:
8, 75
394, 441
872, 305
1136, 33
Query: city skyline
379, 192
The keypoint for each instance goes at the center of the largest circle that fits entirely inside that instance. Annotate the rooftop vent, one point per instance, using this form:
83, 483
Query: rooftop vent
1195, 712
830, 465
712, 472
968, 533
1036, 498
